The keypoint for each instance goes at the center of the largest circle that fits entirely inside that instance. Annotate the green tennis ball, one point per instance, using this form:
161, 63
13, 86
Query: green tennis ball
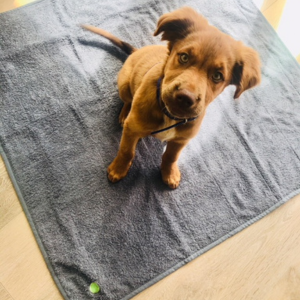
94, 288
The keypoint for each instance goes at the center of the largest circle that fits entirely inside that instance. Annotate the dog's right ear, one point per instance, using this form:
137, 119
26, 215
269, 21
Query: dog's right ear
179, 24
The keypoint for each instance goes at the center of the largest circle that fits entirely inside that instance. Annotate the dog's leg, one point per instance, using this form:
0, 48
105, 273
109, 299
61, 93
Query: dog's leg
124, 113
119, 167
124, 93
169, 169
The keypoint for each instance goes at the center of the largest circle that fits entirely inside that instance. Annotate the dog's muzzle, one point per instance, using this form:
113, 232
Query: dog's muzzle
181, 97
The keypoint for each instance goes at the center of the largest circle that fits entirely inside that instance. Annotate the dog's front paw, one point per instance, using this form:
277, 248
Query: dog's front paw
117, 171
171, 176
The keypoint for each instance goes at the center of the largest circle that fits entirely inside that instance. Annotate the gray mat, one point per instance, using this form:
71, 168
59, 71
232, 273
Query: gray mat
59, 131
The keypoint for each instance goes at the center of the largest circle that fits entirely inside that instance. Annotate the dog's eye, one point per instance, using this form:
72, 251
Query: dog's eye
183, 58
217, 77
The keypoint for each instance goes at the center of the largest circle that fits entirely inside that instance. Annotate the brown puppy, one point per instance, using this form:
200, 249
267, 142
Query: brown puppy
165, 85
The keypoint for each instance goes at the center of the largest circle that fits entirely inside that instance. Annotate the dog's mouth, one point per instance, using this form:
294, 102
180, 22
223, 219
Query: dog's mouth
178, 113
177, 102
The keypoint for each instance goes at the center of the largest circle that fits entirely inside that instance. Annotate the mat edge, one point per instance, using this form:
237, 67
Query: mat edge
161, 276
214, 244
30, 221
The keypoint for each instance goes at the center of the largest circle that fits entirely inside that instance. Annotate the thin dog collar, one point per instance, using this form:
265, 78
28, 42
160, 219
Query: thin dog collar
166, 112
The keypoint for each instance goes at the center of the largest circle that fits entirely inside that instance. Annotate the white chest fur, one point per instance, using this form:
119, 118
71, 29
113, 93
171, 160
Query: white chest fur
168, 134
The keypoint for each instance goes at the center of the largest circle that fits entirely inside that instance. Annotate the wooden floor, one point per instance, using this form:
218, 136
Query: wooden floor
260, 263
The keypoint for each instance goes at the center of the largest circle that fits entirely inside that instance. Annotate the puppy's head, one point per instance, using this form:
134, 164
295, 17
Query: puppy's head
202, 62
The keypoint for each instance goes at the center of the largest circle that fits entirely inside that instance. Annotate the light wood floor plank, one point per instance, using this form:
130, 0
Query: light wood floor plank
6, 5
274, 12
9, 204
4, 295
266, 4
23, 272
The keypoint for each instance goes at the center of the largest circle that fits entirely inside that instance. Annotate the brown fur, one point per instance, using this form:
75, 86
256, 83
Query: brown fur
187, 87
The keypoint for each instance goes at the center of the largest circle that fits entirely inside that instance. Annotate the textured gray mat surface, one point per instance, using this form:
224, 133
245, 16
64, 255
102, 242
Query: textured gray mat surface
59, 131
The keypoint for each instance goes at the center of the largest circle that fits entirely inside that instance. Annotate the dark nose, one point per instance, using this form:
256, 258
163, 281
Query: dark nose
185, 98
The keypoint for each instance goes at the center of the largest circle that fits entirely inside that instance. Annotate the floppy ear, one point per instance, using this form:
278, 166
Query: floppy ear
246, 71
178, 24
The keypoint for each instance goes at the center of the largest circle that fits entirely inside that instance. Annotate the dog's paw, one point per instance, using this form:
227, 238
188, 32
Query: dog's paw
171, 177
172, 182
117, 172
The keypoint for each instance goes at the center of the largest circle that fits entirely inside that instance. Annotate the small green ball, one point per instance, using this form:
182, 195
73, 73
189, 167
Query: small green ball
94, 288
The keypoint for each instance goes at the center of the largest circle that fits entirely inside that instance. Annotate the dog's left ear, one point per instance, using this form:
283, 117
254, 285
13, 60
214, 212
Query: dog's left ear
179, 24
246, 71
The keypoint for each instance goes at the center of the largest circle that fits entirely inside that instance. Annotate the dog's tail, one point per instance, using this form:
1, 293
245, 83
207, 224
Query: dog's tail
127, 48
